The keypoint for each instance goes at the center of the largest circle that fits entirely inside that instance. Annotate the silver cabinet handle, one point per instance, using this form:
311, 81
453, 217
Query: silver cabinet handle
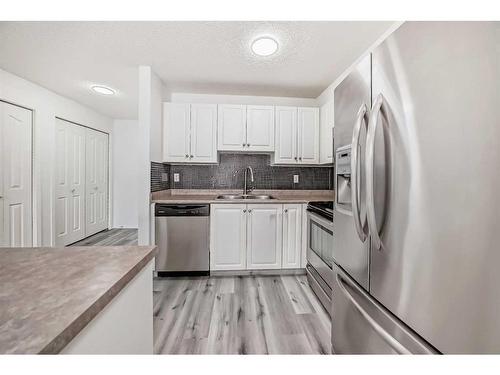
248, 144
300, 158
250, 211
244, 210
187, 156
286, 209
73, 190
395, 344
191, 156
244, 144
295, 158
362, 118
378, 107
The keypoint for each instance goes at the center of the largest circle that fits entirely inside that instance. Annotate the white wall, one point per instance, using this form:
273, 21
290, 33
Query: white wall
46, 105
125, 184
241, 99
151, 95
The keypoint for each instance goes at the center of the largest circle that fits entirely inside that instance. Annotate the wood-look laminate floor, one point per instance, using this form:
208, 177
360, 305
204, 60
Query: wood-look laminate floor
239, 315
111, 237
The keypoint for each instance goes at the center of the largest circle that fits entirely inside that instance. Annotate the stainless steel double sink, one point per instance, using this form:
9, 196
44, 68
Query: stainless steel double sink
242, 196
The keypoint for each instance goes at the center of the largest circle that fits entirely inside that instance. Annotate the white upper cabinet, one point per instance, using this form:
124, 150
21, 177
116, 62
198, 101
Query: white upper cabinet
308, 135
286, 136
176, 124
326, 133
264, 236
297, 135
203, 133
260, 128
190, 133
231, 127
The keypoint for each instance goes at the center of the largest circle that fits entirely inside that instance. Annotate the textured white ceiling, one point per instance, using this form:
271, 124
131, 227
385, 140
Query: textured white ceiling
198, 57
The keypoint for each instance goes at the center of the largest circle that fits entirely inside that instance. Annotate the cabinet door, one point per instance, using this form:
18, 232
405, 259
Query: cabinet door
260, 128
70, 183
264, 236
176, 124
308, 135
292, 236
326, 133
231, 127
286, 135
15, 176
227, 237
96, 186
203, 133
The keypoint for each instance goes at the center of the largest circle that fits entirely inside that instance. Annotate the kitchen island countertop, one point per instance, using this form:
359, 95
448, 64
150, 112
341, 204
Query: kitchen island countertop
48, 295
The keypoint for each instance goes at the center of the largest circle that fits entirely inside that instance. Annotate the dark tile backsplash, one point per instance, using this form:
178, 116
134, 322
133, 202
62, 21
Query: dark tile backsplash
156, 171
228, 174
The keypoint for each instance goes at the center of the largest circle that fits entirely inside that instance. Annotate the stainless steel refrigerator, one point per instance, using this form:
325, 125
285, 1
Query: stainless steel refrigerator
417, 214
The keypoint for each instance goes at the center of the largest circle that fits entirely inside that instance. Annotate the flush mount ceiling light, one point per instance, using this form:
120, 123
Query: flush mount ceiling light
103, 90
264, 46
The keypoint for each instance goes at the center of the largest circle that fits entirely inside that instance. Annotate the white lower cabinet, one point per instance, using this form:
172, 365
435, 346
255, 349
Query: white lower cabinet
292, 236
228, 224
264, 236
255, 236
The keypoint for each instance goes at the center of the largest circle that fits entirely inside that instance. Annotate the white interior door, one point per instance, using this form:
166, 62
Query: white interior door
16, 219
70, 183
231, 127
292, 236
203, 133
264, 236
286, 136
308, 125
260, 128
227, 237
96, 187
176, 124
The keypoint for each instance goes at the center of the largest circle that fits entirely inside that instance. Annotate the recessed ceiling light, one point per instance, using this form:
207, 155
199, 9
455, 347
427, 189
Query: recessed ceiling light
264, 46
103, 90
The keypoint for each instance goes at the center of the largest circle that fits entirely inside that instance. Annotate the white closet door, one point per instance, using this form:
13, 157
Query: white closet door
70, 183
96, 167
16, 221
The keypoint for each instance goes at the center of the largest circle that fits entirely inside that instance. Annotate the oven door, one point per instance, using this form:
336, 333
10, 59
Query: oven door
320, 246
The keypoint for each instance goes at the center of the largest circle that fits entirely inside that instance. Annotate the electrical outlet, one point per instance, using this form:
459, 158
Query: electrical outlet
176, 177
295, 178
164, 177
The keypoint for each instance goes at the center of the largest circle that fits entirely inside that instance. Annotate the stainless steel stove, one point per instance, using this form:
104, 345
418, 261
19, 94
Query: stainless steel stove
320, 250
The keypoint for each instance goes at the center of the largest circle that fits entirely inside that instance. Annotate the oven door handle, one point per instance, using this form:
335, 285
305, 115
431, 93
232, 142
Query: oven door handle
315, 217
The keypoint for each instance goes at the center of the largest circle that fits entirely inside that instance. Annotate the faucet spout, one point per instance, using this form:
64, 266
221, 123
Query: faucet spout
246, 190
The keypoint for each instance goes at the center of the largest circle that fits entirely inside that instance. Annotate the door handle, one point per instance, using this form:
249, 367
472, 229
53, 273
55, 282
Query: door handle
361, 118
395, 344
379, 106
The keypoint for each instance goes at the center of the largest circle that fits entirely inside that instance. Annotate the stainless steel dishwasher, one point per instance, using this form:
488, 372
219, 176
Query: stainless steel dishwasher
182, 237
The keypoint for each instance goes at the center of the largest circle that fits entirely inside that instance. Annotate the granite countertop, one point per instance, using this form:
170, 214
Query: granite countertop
210, 196
48, 295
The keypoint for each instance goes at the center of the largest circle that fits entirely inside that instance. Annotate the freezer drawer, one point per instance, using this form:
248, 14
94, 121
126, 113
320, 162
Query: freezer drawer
360, 325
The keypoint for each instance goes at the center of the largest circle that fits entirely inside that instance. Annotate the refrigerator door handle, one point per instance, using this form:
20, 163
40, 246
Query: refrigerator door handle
395, 344
362, 118
378, 107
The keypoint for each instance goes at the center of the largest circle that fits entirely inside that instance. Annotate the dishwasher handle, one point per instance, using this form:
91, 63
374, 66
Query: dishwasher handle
177, 210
